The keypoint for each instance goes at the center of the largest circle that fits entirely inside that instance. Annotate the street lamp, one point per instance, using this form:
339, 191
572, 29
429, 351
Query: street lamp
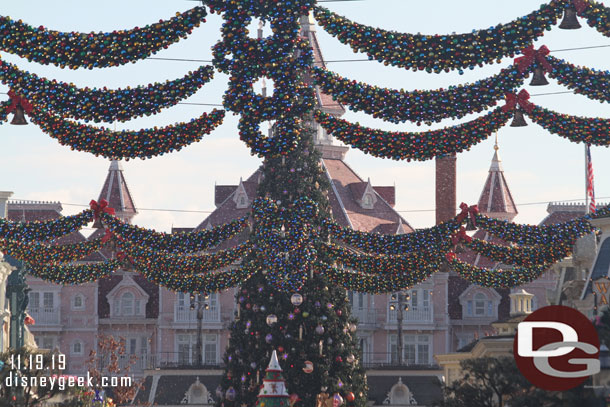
200, 302
399, 305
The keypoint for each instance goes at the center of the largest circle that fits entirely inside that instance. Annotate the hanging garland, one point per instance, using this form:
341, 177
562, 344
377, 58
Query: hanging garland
395, 265
102, 105
497, 278
195, 283
419, 146
4, 111
526, 256
589, 82
185, 264
176, 242
590, 130
437, 53
531, 235
95, 50
419, 105
67, 274
40, 253
144, 143
377, 284
597, 15
432, 240
44, 231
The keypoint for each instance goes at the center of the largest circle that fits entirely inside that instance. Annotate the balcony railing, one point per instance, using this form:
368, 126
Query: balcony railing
412, 315
45, 315
166, 360
365, 316
186, 314
372, 360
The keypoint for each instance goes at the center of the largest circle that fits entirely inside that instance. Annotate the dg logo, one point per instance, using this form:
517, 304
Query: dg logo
557, 348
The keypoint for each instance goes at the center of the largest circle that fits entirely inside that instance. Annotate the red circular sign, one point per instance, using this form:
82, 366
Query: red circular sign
550, 328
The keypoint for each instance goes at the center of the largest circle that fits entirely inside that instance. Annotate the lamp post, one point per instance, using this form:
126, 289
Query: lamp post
200, 302
401, 305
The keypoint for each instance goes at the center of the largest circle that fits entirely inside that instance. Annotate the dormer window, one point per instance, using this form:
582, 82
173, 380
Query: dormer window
367, 201
127, 304
127, 299
478, 303
241, 196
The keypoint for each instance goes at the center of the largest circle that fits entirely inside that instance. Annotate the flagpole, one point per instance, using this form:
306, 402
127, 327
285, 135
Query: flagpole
586, 180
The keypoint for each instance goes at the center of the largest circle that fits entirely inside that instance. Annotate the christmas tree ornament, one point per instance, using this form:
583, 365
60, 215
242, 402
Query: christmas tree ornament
268, 338
305, 314
350, 358
349, 396
308, 367
273, 391
296, 299
337, 399
255, 308
319, 329
271, 319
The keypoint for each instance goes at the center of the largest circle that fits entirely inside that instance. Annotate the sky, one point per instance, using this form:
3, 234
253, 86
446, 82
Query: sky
539, 167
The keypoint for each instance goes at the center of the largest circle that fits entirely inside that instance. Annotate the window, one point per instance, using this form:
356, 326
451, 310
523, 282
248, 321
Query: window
367, 201
34, 303
479, 304
127, 304
242, 201
48, 300
469, 308
78, 302
77, 348
209, 349
45, 342
415, 349
187, 352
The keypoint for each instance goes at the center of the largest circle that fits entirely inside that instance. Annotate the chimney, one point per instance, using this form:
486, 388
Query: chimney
4, 196
446, 181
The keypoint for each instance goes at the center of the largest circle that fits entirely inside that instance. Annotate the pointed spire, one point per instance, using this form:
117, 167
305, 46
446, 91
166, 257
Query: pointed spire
116, 192
274, 364
496, 199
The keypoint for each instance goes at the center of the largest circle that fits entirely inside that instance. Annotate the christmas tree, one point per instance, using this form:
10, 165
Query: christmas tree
273, 392
309, 326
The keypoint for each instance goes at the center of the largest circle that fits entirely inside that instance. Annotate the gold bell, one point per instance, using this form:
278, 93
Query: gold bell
19, 117
518, 119
538, 79
569, 22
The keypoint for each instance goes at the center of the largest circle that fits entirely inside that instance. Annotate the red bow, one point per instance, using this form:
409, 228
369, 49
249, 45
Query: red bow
522, 99
460, 236
450, 256
471, 211
16, 101
107, 236
100, 208
530, 55
580, 5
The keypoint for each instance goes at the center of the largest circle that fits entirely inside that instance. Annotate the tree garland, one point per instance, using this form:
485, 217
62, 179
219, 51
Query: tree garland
497, 278
437, 53
589, 82
590, 130
531, 235
526, 256
394, 265
180, 263
598, 16
277, 57
103, 105
37, 252
419, 146
4, 107
174, 243
95, 50
73, 274
377, 284
420, 105
44, 231
430, 239
144, 143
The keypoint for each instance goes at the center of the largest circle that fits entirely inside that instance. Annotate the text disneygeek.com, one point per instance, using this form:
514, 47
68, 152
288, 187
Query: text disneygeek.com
61, 382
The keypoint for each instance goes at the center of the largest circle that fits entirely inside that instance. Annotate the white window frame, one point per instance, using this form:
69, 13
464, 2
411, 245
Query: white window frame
124, 304
74, 352
480, 304
417, 341
82, 302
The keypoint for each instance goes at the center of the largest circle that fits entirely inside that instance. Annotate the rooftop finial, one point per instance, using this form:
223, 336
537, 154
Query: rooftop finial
496, 147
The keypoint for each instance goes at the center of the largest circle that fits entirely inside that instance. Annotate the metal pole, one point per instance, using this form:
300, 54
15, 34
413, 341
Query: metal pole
199, 333
399, 315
